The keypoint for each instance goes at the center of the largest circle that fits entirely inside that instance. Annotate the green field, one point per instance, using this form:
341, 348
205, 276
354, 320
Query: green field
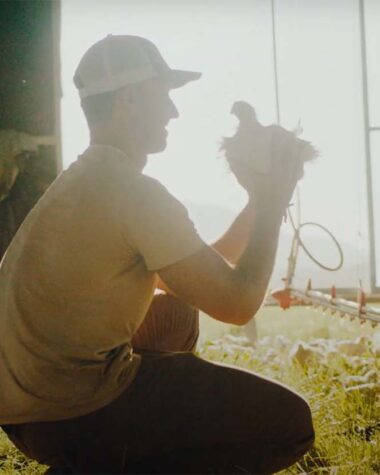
331, 361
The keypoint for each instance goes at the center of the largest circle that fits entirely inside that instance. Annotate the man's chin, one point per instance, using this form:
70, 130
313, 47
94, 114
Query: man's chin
158, 147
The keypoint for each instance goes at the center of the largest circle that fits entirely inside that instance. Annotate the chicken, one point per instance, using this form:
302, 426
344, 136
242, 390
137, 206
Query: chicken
261, 147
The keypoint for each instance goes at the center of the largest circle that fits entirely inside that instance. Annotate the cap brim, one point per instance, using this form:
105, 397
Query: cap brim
178, 78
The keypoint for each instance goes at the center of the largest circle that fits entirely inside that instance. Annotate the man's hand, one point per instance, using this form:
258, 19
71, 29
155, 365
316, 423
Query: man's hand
275, 187
267, 161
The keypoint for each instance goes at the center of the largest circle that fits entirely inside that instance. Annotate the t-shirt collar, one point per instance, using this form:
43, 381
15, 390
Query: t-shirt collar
114, 152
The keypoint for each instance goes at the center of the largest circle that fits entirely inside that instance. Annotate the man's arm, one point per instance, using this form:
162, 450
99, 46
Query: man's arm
231, 295
232, 243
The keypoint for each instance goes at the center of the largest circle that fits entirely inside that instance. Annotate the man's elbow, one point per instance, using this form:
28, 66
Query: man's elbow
239, 304
242, 318
248, 304
237, 314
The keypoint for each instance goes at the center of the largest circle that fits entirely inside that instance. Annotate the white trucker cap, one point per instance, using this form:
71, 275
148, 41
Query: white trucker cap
119, 60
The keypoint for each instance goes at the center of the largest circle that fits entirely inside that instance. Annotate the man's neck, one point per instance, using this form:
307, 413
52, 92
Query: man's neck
139, 160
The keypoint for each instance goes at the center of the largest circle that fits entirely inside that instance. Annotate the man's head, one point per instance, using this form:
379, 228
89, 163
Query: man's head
124, 85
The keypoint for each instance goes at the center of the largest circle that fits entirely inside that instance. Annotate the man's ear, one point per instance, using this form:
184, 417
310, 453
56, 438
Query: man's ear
122, 103
128, 94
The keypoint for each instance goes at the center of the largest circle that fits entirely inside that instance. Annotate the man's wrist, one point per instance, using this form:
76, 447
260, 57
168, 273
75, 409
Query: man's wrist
267, 208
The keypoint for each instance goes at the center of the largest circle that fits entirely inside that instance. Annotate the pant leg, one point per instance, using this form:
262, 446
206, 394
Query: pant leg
220, 416
185, 415
170, 325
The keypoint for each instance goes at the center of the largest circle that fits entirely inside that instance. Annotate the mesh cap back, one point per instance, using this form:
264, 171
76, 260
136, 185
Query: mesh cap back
117, 61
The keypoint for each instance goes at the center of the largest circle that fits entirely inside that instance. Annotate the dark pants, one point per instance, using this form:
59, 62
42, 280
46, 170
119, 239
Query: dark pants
180, 415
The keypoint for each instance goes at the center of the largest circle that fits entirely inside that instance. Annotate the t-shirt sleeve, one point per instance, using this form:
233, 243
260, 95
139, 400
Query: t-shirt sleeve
159, 225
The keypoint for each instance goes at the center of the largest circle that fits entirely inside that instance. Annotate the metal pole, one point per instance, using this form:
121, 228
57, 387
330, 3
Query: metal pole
371, 224
274, 42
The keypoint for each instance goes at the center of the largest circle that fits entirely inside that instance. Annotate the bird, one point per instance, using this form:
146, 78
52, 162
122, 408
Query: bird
261, 147
251, 142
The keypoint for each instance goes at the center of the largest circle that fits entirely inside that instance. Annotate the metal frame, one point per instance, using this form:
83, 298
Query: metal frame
274, 45
341, 306
368, 129
368, 155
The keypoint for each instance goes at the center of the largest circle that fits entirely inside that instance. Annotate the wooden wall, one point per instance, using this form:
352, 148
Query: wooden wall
29, 100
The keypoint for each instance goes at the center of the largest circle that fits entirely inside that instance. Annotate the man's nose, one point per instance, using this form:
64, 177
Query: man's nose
173, 111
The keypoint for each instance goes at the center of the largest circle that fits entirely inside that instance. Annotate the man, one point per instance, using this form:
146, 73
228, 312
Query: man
80, 276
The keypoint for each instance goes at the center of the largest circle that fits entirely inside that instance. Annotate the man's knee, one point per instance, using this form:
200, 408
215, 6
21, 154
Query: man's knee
301, 434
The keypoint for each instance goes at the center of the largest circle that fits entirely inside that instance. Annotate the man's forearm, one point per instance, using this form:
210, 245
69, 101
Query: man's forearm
234, 241
257, 260
256, 264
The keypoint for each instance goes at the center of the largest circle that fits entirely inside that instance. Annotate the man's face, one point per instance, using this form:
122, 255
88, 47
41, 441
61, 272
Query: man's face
148, 111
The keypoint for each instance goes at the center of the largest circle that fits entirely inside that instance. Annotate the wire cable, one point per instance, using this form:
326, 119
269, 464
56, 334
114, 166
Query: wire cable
297, 242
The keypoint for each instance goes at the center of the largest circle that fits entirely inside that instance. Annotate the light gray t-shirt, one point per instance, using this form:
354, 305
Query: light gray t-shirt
76, 283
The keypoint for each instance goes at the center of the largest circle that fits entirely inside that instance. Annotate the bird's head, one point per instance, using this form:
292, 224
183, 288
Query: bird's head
244, 111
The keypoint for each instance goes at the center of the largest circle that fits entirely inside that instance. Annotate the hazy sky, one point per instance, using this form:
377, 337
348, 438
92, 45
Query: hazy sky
319, 70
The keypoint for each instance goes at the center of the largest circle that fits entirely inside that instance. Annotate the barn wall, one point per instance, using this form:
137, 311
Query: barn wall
29, 104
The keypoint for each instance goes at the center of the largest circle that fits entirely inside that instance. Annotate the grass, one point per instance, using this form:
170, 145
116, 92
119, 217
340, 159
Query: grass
343, 386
